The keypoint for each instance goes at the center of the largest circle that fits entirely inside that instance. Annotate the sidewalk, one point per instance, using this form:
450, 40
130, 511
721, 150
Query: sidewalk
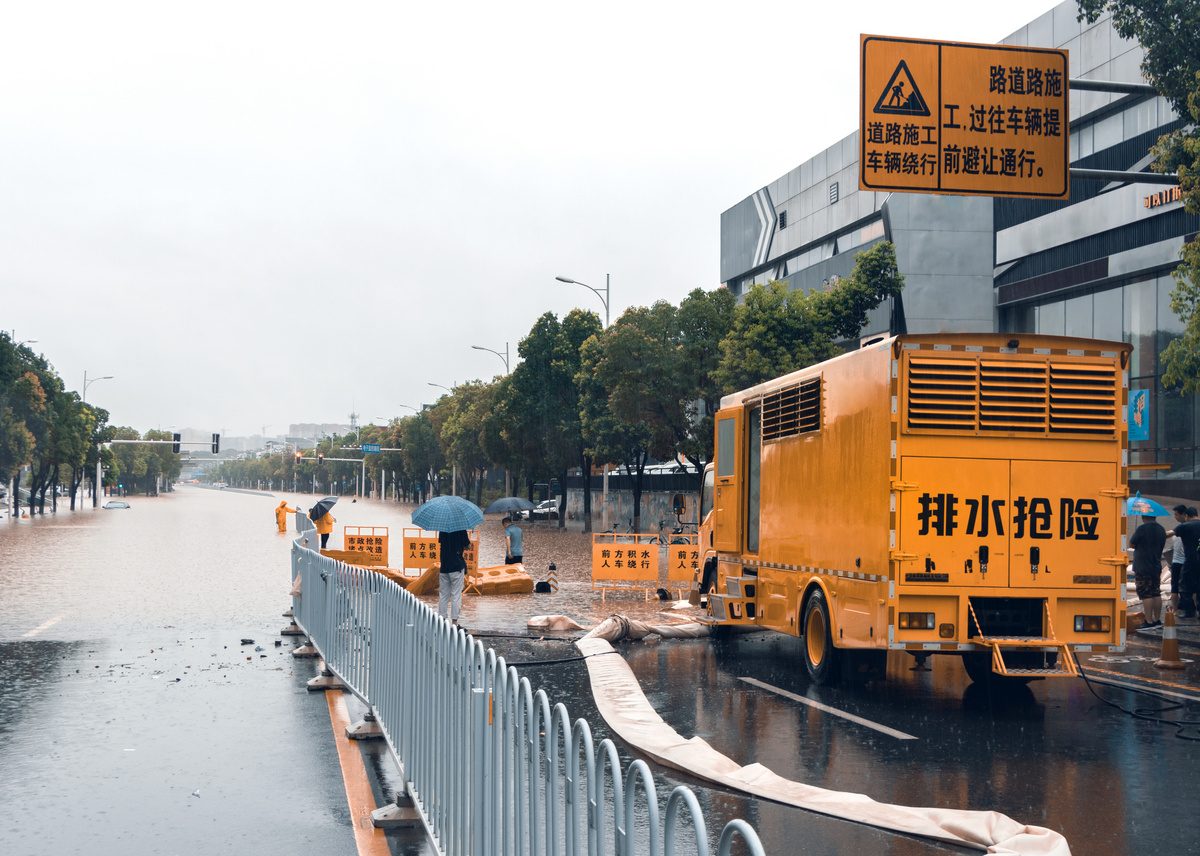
1187, 630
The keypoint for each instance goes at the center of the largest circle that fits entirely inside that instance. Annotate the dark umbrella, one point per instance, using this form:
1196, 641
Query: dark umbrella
447, 514
509, 503
322, 507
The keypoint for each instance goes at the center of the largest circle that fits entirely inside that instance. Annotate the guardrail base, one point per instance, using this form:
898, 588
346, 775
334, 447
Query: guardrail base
327, 680
292, 629
366, 728
289, 613
305, 650
400, 814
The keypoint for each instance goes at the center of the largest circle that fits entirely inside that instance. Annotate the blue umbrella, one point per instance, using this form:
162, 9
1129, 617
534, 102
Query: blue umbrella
1139, 505
447, 514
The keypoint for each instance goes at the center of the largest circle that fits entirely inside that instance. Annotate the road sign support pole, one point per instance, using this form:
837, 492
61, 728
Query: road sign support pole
1125, 177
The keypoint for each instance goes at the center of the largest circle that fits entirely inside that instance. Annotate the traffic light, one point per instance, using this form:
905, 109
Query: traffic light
298, 456
320, 459
216, 443
175, 438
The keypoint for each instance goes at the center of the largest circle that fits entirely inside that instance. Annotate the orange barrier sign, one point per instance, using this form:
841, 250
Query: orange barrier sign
683, 560
625, 561
421, 550
948, 117
368, 539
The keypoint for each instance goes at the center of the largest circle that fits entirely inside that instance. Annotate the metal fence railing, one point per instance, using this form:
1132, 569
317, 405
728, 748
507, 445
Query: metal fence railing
490, 765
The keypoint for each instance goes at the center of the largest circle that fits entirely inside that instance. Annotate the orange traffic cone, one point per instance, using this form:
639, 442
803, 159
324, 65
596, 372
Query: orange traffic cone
1170, 647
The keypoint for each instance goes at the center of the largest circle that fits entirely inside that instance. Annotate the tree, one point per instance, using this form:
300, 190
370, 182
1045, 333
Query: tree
619, 424
462, 432
776, 331
705, 318
1169, 33
540, 402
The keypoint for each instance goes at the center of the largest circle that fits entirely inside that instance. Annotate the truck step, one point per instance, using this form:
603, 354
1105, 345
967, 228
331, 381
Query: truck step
741, 586
727, 609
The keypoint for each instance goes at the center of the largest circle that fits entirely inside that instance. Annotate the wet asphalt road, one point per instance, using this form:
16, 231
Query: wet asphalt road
133, 720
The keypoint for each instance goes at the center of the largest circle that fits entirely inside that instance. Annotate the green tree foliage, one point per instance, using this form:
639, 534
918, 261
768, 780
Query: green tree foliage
704, 319
462, 432
1169, 33
609, 433
776, 331
540, 402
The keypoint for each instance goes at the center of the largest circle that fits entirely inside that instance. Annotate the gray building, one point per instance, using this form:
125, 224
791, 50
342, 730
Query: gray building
1098, 264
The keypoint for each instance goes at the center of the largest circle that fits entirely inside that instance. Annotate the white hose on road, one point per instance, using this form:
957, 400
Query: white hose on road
627, 712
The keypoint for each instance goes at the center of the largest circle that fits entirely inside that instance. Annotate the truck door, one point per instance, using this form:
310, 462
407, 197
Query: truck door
1061, 524
954, 517
727, 504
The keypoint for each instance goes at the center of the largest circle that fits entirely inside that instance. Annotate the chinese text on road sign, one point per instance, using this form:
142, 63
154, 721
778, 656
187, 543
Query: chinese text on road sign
945, 117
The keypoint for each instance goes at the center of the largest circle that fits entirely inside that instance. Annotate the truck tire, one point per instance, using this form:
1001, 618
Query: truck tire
821, 659
978, 666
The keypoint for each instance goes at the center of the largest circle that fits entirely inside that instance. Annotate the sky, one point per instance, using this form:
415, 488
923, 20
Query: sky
255, 214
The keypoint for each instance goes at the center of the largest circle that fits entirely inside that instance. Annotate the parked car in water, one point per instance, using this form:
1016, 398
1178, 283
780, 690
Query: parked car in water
116, 503
547, 510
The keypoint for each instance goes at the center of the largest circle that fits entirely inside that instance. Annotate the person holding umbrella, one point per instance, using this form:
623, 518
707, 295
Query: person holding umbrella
453, 572
450, 517
319, 514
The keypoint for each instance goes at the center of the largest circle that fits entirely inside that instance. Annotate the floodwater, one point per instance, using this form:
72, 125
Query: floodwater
134, 720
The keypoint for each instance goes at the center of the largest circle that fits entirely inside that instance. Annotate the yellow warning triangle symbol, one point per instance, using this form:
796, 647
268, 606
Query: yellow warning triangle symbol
901, 96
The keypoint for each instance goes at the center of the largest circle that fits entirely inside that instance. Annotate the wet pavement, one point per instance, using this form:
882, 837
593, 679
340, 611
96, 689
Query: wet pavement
134, 720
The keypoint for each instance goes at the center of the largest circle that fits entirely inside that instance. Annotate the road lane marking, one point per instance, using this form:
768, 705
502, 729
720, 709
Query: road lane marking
45, 625
370, 841
1125, 684
891, 732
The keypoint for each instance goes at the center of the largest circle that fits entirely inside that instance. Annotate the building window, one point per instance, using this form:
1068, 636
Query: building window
783, 219
833, 192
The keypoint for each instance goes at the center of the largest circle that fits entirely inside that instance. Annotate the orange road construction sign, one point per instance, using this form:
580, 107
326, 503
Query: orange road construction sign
948, 117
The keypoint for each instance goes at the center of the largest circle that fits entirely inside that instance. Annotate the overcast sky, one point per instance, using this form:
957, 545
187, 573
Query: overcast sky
256, 214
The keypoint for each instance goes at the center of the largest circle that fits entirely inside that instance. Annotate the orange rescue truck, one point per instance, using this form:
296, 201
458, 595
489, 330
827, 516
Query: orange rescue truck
936, 494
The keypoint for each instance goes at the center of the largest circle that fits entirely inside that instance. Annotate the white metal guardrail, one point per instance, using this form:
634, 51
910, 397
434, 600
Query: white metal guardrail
491, 767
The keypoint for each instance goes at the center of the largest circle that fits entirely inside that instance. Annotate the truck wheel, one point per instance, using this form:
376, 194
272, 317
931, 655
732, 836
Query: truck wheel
821, 659
978, 666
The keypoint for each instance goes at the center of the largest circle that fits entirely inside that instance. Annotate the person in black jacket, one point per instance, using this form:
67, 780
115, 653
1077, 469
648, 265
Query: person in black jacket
452, 573
1148, 542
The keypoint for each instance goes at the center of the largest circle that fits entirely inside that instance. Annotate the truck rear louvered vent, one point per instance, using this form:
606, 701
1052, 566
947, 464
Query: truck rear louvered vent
1012, 396
793, 410
942, 394
1083, 399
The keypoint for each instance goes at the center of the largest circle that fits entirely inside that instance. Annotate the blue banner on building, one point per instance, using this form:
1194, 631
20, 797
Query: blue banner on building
1139, 414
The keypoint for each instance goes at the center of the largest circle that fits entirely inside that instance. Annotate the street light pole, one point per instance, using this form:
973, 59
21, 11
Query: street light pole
603, 297
99, 473
503, 356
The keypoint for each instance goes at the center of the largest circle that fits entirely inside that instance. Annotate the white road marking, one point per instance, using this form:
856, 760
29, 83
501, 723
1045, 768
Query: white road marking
46, 625
891, 732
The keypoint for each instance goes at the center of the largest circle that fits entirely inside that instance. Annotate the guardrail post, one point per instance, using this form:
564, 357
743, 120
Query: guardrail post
479, 775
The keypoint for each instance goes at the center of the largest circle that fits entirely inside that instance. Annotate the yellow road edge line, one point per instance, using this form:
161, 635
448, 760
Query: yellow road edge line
370, 841
1128, 677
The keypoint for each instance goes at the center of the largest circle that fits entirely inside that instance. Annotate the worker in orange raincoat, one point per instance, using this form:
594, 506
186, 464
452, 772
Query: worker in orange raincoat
325, 527
281, 514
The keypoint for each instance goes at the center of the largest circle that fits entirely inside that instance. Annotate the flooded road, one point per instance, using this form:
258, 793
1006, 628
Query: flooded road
134, 720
